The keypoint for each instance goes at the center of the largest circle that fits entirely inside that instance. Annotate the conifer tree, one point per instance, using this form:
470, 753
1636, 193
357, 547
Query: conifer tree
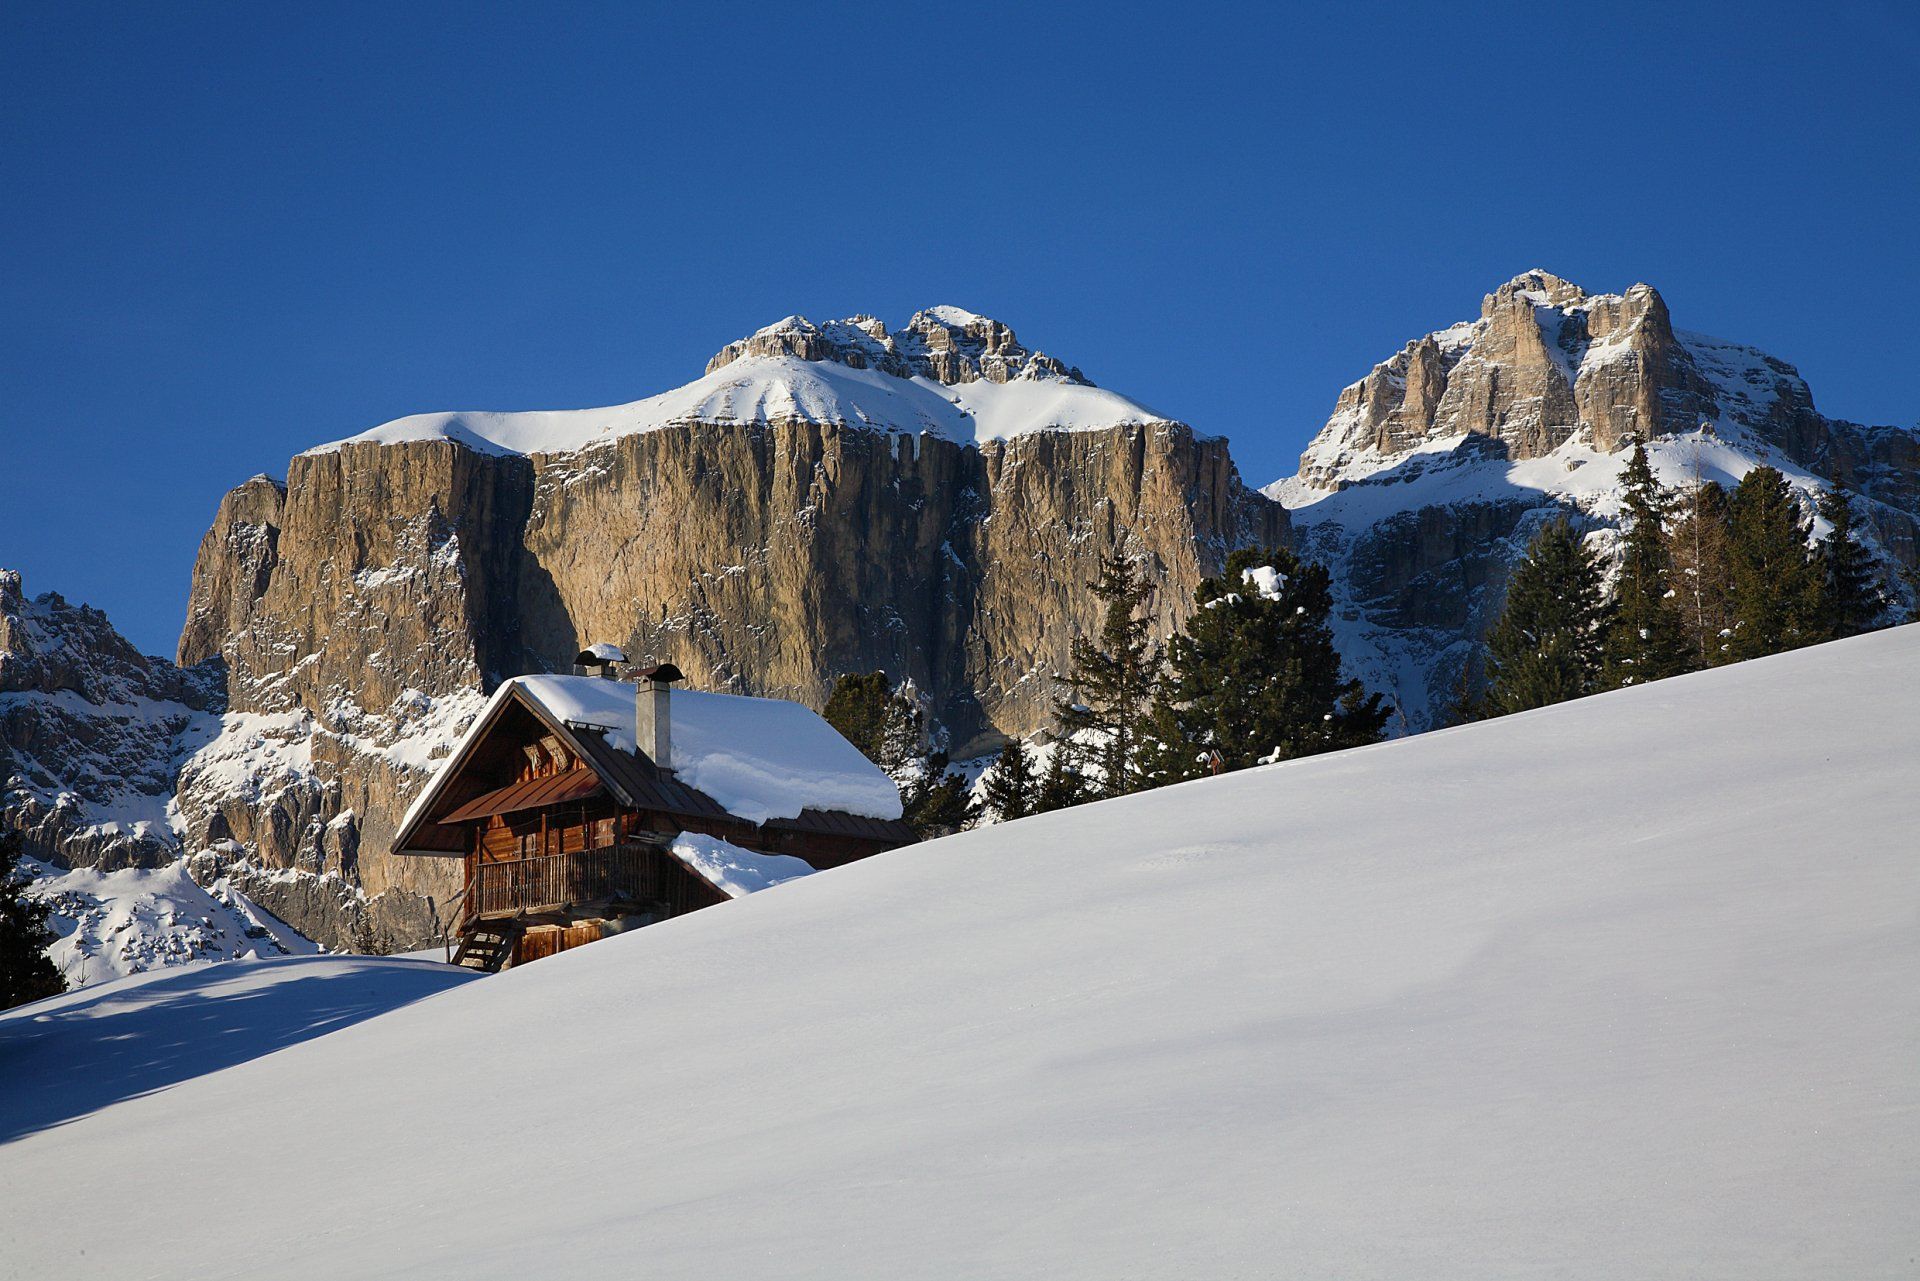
1646, 640
1851, 601
1255, 676
1064, 784
1775, 582
1113, 678
934, 800
1010, 788
26, 974
886, 724
1546, 648
1702, 573
863, 708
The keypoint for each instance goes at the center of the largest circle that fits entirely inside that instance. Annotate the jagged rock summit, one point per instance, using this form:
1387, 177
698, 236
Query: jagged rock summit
1435, 469
92, 732
948, 373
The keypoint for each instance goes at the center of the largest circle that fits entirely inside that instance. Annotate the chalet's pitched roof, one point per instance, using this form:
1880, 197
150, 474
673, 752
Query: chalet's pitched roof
771, 761
574, 785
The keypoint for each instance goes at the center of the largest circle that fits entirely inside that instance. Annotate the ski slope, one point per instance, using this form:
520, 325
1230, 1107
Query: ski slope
1622, 988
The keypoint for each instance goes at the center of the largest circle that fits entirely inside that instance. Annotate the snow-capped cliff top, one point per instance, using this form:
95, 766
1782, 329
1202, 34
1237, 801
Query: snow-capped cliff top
949, 372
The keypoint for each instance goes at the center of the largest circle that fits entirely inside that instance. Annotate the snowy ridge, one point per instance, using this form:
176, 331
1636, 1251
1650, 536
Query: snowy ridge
847, 372
1343, 1016
115, 923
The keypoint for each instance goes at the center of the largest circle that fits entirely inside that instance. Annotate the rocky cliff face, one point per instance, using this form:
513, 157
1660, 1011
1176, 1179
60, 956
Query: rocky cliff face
1436, 469
92, 733
828, 498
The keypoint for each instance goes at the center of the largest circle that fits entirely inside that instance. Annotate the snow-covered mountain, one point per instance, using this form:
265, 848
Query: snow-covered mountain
115, 923
1628, 987
825, 498
1437, 468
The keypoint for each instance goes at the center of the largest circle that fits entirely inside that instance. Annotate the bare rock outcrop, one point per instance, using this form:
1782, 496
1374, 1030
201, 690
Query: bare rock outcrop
92, 733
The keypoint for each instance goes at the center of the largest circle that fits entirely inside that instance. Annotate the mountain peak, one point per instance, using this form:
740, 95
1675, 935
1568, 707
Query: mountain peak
946, 344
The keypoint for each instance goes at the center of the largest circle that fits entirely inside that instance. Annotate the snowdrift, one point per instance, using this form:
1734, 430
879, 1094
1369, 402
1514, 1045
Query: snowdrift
1623, 988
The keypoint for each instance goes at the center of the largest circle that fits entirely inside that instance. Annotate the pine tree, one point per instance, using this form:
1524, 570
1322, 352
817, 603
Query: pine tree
1775, 582
886, 724
26, 974
1113, 678
1064, 784
1702, 573
862, 708
1646, 640
935, 800
1009, 786
1546, 648
1851, 601
1255, 675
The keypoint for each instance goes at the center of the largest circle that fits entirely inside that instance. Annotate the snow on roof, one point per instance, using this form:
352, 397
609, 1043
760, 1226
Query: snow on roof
760, 758
767, 389
606, 653
733, 871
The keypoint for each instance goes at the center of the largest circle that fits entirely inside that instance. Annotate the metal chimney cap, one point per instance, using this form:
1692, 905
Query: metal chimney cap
664, 673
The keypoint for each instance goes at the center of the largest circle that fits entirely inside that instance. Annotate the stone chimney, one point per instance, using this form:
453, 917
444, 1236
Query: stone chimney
653, 714
598, 660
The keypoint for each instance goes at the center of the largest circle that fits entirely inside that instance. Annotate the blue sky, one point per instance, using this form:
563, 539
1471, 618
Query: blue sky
231, 232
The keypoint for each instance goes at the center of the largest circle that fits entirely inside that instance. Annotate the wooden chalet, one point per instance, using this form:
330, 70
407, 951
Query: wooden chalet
584, 805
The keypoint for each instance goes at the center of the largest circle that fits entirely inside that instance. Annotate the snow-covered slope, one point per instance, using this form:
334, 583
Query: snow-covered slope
68, 1056
949, 372
1624, 988
115, 923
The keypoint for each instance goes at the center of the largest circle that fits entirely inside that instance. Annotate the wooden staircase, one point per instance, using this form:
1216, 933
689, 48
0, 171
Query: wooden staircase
488, 945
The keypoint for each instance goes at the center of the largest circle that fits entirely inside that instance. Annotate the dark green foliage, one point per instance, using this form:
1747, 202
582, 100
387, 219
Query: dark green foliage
1010, 788
1702, 572
1646, 640
935, 801
883, 724
1255, 676
1851, 601
1113, 679
887, 726
1775, 582
1064, 784
1546, 648
26, 974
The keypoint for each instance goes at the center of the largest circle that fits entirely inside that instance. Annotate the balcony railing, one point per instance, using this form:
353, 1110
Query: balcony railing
551, 882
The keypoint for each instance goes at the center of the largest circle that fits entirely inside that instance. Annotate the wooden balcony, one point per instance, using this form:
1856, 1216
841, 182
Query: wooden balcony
637, 875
